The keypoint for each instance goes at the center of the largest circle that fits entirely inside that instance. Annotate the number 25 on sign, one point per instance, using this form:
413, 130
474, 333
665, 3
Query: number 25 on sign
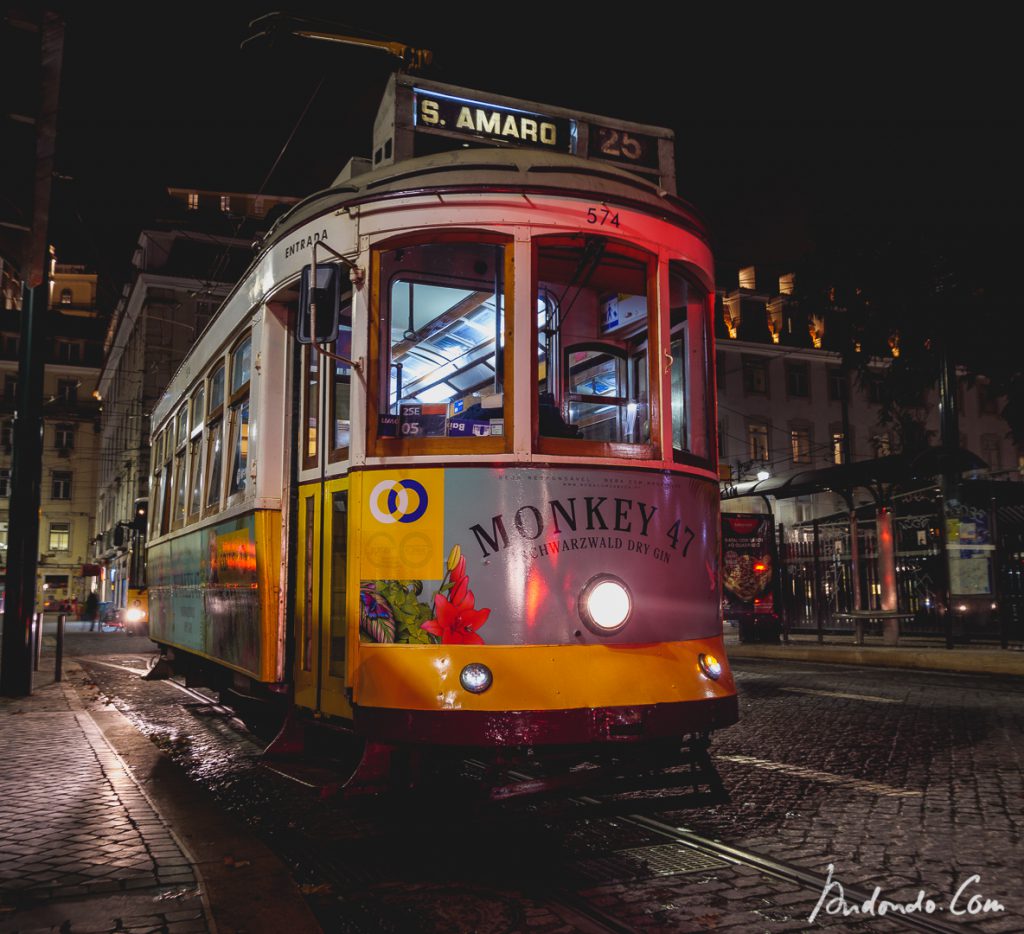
602, 216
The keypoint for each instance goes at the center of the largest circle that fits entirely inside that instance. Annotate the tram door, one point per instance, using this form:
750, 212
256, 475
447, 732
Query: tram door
321, 597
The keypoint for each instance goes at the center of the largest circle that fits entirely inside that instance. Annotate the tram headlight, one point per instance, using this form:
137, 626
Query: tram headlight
710, 665
605, 604
476, 678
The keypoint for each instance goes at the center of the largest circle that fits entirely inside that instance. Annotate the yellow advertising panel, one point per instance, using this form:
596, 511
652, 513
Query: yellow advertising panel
402, 522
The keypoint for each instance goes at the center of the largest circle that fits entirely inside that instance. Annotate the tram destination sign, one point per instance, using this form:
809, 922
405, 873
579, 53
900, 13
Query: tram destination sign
456, 116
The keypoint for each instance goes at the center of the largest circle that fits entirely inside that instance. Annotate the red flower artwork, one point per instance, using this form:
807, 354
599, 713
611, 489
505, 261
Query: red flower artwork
456, 623
456, 620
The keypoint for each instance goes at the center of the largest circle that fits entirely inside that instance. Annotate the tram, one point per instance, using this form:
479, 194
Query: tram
442, 468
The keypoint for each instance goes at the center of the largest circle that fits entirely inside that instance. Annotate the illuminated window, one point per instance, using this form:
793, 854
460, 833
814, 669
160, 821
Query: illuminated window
800, 445
442, 353
238, 421
592, 343
193, 200
225, 203
837, 447
65, 296
60, 536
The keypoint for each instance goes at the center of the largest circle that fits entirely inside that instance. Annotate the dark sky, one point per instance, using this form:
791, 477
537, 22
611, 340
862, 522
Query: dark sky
792, 139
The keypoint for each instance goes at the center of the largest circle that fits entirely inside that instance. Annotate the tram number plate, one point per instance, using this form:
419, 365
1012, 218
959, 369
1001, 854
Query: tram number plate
602, 216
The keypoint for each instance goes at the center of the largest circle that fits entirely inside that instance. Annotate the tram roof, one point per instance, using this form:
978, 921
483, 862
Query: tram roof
513, 170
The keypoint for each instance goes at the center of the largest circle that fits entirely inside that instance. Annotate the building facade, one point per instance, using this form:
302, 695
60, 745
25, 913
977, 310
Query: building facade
70, 432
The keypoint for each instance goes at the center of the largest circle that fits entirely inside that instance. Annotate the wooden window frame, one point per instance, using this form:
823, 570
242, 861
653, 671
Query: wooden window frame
408, 447
580, 447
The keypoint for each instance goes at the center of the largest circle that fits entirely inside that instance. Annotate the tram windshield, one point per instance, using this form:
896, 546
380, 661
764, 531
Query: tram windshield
446, 322
592, 333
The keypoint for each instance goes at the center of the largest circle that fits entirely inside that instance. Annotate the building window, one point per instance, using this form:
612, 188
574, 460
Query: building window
65, 296
10, 388
798, 384
69, 351
755, 376
800, 445
7, 436
988, 401
874, 389
5, 481
64, 437
225, 203
61, 488
836, 384
757, 438
837, 447
10, 345
193, 201
238, 419
990, 451
60, 536
67, 390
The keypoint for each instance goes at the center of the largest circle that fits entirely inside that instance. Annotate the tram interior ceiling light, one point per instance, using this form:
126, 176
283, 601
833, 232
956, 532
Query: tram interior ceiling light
476, 678
605, 604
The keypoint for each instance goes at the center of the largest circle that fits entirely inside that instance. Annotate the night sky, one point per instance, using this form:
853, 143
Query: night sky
792, 140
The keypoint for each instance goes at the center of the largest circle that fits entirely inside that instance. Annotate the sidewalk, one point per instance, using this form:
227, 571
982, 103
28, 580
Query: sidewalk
911, 653
100, 832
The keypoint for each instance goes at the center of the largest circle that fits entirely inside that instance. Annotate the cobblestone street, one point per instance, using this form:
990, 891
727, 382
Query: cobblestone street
909, 781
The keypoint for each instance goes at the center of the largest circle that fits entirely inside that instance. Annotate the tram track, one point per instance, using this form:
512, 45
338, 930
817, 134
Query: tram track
565, 901
766, 865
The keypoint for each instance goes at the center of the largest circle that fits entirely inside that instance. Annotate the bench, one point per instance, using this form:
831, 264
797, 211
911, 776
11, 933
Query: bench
891, 620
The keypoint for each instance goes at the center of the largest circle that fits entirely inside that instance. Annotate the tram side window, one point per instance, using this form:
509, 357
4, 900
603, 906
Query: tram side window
592, 332
691, 426
156, 492
444, 325
214, 439
310, 405
239, 427
339, 389
181, 431
195, 480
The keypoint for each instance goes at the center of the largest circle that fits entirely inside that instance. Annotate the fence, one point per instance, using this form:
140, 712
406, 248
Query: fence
816, 580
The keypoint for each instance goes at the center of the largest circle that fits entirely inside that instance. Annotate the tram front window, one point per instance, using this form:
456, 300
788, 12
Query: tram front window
592, 328
445, 319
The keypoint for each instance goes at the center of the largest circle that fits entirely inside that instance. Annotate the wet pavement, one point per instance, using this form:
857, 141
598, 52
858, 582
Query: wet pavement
910, 781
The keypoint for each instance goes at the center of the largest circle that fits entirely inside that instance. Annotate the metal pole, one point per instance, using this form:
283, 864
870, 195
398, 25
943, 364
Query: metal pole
37, 639
817, 582
58, 670
26, 467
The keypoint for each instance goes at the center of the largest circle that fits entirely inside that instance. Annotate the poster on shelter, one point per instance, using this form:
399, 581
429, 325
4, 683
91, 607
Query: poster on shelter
747, 563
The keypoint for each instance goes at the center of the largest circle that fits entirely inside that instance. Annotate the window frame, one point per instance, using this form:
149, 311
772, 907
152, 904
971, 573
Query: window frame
582, 447
377, 446
237, 400
66, 531
53, 485
213, 432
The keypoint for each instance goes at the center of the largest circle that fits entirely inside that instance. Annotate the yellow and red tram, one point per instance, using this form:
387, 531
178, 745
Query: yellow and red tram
482, 511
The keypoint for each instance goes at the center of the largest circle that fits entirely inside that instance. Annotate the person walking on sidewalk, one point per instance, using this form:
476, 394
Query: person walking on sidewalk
92, 611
